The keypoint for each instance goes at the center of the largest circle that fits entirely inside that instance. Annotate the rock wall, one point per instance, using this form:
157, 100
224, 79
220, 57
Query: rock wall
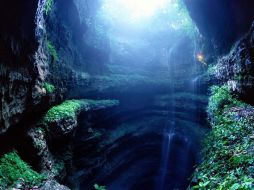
27, 88
237, 68
221, 22
18, 74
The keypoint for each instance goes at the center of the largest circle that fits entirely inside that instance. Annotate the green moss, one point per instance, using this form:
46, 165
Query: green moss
48, 6
229, 156
49, 88
12, 169
52, 50
70, 108
67, 109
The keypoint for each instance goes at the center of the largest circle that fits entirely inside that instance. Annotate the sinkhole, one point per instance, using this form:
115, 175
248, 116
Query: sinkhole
154, 68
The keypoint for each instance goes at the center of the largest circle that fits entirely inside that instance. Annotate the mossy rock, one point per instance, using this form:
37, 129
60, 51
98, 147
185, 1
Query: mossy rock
62, 119
13, 169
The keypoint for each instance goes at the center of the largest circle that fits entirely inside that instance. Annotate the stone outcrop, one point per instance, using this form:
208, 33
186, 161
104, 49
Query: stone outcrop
50, 138
62, 119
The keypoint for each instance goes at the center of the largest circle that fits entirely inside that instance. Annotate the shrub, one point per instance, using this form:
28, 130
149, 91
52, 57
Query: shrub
228, 155
52, 50
12, 169
220, 99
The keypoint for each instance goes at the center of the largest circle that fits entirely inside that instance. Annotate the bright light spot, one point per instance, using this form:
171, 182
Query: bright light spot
200, 57
134, 10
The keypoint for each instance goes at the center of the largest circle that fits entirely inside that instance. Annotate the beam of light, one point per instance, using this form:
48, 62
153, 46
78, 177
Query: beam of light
134, 10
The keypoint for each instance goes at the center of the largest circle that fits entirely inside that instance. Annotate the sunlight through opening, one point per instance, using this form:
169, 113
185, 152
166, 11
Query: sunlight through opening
133, 10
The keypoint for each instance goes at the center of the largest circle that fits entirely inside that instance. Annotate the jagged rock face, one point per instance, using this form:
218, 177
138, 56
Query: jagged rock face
41, 154
49, 142
23, 62
222, 22
237, 68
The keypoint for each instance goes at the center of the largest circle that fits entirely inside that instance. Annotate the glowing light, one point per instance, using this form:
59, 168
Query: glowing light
200, 57
134, 10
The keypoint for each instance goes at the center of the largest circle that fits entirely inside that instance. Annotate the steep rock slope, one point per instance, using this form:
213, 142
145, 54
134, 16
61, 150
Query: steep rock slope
22, 62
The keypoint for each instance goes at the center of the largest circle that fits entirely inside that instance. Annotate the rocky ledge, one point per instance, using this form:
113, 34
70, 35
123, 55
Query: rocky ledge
48, 148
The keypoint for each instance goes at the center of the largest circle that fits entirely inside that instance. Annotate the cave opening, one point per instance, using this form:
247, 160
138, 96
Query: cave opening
126, 94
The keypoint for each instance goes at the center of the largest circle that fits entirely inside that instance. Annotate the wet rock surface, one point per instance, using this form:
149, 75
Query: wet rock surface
236, 69
18, 44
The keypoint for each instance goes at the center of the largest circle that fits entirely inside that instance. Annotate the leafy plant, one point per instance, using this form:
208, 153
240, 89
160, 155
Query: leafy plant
228, 152
220, 98
13, 169
49, 88
52, 50
48, 6
98, 187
